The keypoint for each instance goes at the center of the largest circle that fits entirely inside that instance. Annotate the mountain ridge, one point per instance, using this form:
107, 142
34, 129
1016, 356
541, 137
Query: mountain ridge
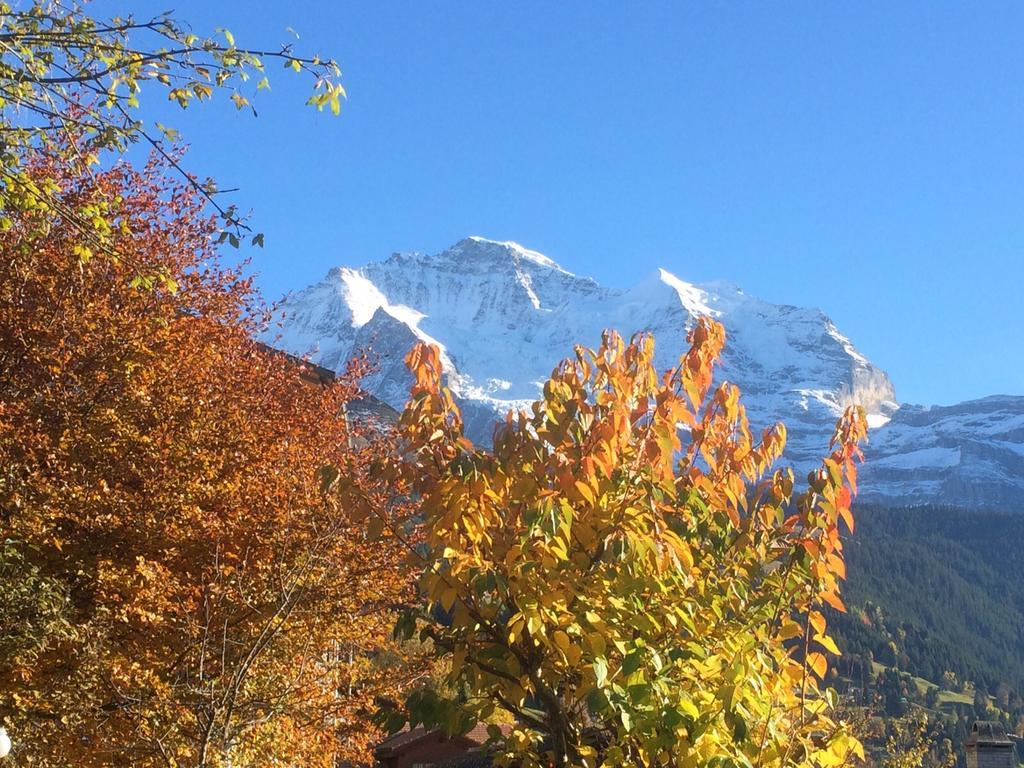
504, 315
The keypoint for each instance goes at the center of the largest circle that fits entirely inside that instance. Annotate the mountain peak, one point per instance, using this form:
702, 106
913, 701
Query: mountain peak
971, 453
504, 315
476, 246
694, 298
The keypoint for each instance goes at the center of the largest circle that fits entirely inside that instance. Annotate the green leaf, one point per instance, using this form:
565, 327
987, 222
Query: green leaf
631, 663
405, 626
597, 702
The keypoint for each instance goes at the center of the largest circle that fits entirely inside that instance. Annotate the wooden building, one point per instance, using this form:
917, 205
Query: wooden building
422, 748
988, 746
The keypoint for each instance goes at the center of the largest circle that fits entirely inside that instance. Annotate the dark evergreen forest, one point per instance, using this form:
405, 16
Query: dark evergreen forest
935, 620
934, 590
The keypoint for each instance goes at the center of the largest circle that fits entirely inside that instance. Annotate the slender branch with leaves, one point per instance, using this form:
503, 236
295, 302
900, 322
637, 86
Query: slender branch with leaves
72, 85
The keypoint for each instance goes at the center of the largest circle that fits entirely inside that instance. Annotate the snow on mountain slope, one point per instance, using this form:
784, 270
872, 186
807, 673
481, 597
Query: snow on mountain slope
504, 315
970, 454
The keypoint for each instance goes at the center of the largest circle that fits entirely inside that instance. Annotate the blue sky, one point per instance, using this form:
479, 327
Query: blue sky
861, 157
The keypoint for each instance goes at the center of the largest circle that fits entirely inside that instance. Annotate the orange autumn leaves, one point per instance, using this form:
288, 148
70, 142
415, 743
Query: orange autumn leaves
624, 574
160, 480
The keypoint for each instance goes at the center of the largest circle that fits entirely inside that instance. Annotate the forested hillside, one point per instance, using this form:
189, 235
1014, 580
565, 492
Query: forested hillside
935, 590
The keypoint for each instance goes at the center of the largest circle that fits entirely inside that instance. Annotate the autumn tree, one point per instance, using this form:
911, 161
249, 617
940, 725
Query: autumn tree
64, 72
624, 573
913, 741
178, 588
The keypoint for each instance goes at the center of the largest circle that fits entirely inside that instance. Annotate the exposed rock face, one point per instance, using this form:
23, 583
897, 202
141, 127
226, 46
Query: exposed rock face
970, 454
504, 315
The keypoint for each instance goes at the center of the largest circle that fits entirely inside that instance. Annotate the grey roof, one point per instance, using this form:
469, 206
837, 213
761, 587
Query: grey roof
988, 732
310, 372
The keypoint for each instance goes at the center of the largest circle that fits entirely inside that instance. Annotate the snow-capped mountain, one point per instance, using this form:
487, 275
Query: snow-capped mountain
970, 454
504, 315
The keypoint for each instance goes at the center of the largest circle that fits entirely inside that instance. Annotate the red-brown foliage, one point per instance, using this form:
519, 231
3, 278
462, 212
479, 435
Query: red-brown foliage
160, 472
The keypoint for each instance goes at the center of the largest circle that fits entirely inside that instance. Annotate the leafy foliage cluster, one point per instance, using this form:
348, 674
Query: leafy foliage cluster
630, 598
70, 86
178, 589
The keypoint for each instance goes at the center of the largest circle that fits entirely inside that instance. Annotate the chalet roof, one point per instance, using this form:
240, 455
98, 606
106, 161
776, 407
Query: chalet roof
402, 739
372, 410
311, 372
408, 737
988, 732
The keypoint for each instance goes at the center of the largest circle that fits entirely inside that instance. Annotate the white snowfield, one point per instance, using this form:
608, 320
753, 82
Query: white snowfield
504, 316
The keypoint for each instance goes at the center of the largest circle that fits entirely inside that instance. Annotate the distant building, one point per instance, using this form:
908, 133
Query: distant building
311, 373
422, 748
988, 746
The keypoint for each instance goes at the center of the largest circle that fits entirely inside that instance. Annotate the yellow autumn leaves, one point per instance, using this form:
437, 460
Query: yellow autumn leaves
626, 574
